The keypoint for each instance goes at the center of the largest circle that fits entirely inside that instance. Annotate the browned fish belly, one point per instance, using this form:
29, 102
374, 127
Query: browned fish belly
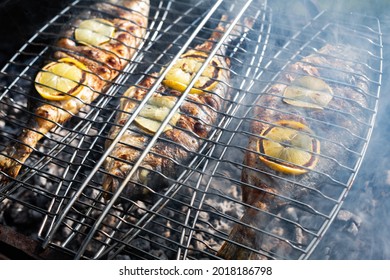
335, 128
104, 62
176, 146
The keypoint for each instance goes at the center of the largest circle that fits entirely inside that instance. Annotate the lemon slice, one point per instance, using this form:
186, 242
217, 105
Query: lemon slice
289, 147
150, 125
181, 74
155, 111
61, 79
94, 32
308, 92
163, 101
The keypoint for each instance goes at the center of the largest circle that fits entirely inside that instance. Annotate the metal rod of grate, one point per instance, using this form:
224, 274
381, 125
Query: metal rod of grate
192, 216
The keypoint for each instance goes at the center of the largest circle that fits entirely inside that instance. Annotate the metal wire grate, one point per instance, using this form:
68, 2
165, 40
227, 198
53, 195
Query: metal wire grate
308, 207
60, 185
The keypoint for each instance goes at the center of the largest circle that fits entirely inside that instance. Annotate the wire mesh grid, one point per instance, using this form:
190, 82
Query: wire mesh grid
303, 208
61, 184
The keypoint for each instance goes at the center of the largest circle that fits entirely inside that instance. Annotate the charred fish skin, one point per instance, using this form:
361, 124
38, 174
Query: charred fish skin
176, 146
103, 64
170, 153
261, 234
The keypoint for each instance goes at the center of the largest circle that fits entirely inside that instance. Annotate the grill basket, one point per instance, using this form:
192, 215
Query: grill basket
57, 199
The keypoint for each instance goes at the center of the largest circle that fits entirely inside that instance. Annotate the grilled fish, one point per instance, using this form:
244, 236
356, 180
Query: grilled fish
87, 50
304, 128
186, 132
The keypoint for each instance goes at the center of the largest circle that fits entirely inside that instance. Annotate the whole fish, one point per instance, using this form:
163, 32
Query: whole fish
304, 128
94, 51
183, 137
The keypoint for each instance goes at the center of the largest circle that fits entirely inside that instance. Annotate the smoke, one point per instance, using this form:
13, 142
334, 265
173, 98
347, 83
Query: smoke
368, 198
359, 232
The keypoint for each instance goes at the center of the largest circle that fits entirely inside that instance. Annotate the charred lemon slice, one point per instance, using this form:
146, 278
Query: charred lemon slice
308, 92
155, 111
61, 79
94, 32
181, 74
289, 147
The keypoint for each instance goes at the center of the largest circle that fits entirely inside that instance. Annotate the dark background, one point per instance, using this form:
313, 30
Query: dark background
20, 19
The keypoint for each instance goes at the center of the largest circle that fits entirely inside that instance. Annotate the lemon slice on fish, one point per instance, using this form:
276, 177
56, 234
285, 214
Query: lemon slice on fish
155, 111
308, 92
150, 125
181, 74
289, 147
94, 32
61, 79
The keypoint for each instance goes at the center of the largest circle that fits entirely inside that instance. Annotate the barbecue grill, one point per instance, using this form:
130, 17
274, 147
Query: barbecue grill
56, 207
